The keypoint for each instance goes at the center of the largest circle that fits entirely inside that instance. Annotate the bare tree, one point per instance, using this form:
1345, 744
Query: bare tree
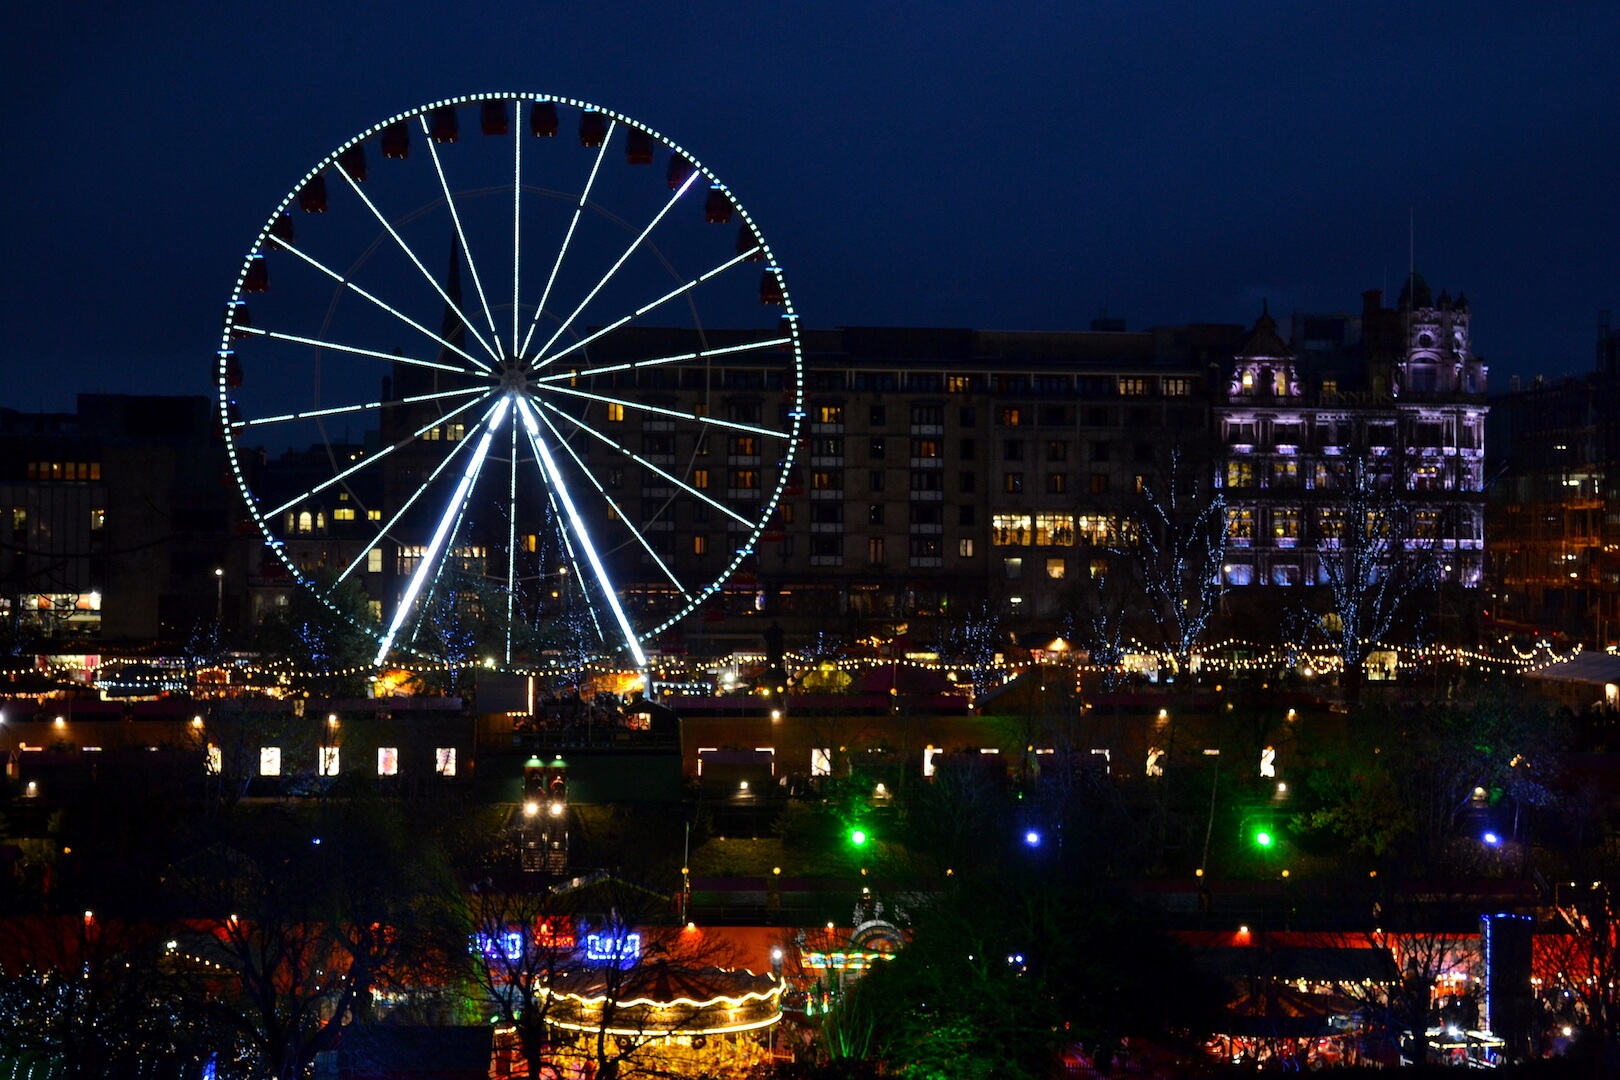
1173, 535
970, 643
1100, 615
1369, 555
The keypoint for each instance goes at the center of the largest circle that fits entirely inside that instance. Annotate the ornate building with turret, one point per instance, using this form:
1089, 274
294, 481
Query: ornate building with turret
1397, 393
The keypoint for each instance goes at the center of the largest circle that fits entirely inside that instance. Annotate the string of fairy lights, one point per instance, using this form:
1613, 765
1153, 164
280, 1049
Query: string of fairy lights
1229, 657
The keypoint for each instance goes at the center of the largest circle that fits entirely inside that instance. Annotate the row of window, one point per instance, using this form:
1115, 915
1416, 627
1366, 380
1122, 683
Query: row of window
64, 470
314, 521
931, 382
328, 760
1286, 521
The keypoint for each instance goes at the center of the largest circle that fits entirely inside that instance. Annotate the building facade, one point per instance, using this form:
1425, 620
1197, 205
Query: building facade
1395, 395
116, 518
1554, 537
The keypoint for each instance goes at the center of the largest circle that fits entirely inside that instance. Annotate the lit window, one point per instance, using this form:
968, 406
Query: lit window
1012, 483
1240, 524
615, 411
98, 520
1174, 386
746, 478
320, 521
373, 515
1010, 529
454, 432
306, 522
374, 561
1239, 474
215, 762
1009, 416
375, 606
387, 761
343, 513
1013, 568
964, 548
1055, 569
700, 479
830, 414
328, 764
1132, 386
444, 761
700, 545
874, 550
1054, 530
269, 761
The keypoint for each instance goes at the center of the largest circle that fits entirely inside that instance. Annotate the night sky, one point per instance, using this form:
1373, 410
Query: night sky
1015, 166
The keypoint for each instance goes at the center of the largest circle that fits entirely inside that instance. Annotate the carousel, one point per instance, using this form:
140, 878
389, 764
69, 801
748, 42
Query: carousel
663, 1020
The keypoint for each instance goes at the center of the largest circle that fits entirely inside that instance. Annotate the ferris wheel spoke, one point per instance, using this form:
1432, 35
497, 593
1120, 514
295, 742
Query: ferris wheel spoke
604, 583
584, 197
614, 269
517, 219
455, 217
340, 410
298, 339
406, 506
374, 458
616, 508
573, 560
658, 361
448, 522
636, 314
649, 466
431, 280
511, 538
642, 406
286, 246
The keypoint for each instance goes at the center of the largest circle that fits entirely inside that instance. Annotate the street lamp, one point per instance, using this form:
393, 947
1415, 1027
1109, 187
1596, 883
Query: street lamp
219, 594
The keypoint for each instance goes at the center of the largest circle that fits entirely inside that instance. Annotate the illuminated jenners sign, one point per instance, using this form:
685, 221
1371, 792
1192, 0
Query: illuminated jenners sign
507, 945
623, 949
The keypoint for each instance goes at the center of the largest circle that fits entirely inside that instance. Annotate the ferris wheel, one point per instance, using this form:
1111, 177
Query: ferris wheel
507, 376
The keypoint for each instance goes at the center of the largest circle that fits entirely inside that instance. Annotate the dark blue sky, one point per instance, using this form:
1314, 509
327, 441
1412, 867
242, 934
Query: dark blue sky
999, 166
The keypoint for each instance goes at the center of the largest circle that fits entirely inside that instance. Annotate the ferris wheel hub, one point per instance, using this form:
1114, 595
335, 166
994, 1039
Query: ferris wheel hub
513, 375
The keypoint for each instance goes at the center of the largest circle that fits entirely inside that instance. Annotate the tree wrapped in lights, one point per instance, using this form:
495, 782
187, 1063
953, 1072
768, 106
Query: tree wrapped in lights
1173, 537
970, 643
1368, 557
1099, 615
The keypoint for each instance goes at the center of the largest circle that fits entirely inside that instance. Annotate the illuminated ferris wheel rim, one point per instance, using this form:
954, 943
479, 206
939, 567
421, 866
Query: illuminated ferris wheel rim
517, 380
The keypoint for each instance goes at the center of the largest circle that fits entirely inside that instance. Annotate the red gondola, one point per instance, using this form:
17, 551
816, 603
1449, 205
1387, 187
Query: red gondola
679, 170
239, 319
353, 162
312, 196
258, 276
233, 372
543, 120
396, 141
442, 124
718, 209
282, 229
748, 242
592, 129
770, 289
638, 148
492, 118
